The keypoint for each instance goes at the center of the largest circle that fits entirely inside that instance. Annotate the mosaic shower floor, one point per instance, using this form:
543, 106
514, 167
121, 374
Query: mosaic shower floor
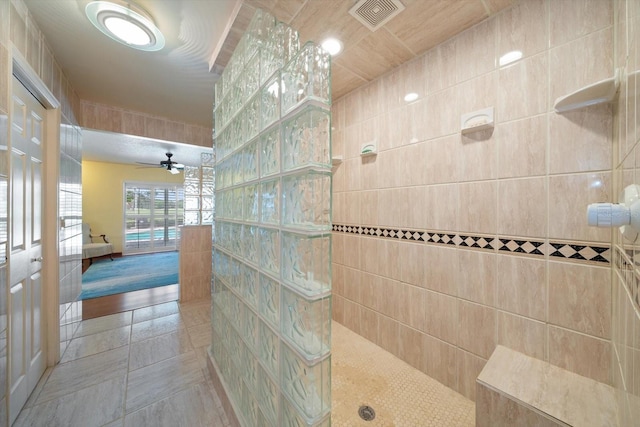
364, 374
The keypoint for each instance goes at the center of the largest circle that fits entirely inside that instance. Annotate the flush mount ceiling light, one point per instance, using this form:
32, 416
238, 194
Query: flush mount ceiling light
126, 24
331, 45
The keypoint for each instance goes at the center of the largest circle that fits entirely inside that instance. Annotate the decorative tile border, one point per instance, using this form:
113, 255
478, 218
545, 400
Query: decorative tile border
569, 251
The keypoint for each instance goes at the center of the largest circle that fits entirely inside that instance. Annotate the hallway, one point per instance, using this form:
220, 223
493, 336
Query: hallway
137, 368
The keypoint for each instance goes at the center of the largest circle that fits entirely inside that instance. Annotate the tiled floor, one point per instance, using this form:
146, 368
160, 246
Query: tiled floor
147, 367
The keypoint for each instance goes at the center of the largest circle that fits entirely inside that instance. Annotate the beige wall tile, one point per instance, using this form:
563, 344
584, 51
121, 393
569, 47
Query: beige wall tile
352, 246
369, 208
580, 298
479, 92
582, 354
477, 207
440, 210
523, 27
441, 63
410, 346
477, 328
575, 18
411, 310
477, 276
444, 118
441, 316
414, 76
352, 315
353, 108
372, 100
522, 286
436, 160
337, 247
132, 123
393, 207
352, 174
477, 156
522, 334
572, 64
476, 51
395, 128
369, 173
388, 331
154, 127
369, 324
568, 197
469, 367
174, 131
352, 285
581, 140
522, 207
441, 269
18, 30
108, 118
440, 361
412, 265
522, 88
337, 309
352, 207
496, 409
337, 279
522, 147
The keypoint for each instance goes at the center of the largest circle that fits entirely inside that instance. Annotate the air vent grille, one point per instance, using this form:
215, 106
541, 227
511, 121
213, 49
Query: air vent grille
373, 14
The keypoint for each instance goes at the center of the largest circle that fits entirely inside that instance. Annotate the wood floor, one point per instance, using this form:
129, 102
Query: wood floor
110, 304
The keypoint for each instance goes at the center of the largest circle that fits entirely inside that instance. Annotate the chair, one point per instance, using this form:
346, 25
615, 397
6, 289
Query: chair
92, 250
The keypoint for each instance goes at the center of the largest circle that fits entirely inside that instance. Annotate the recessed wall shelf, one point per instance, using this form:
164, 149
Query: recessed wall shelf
477, 121
369, 150
336, 160
596, 93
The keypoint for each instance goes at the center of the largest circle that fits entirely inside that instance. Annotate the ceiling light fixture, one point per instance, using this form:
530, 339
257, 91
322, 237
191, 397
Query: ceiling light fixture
126, 24
410, 97
331, 45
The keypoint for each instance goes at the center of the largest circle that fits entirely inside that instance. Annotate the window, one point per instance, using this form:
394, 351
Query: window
153, 213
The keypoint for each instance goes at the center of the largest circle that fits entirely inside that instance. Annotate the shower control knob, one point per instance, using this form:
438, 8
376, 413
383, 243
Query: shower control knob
608, 215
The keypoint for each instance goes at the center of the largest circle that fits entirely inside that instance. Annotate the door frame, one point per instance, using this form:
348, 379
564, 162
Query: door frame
50, 188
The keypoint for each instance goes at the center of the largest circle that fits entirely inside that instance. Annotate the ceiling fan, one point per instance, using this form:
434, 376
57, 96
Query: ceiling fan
169, 165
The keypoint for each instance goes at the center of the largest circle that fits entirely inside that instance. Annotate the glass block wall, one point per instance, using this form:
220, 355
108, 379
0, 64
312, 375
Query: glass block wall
198, 192
271, 281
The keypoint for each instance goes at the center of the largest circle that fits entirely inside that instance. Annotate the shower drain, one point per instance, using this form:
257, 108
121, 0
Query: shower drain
366, 413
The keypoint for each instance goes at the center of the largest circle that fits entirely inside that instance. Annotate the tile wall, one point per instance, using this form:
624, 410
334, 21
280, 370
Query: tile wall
18, 28
446, 245
626, 274
119, 120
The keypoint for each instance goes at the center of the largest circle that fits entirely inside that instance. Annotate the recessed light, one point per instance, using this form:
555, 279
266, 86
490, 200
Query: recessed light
333, 46
133, 28
410, 97
510, 57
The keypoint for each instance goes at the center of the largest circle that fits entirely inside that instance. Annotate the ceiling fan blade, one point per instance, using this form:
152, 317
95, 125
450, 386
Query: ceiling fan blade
150, 164
177, 165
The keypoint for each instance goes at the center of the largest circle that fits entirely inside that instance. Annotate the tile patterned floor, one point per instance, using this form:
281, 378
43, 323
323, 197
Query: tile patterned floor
147, 367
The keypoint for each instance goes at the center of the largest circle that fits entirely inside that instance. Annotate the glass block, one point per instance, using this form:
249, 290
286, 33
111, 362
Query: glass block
251, 117
236, 168
249, 406
207, 203
250, 243
252, 76
234, 244
191, 172
207, 160
250, 161
191, 187
206, 171
306, 262
268, 349
268, 396
236, 203
206, 217
236, 134
270, 152
306, 201
192, 202
306, 139
208, 189
251, 203
251, 329
218, 92
270, 202
292, 418
250, 286
251, 366
269, 300
191, 217
307, 77
306, 324
260, 28
308, 387
270, 250
270, 102
270, 59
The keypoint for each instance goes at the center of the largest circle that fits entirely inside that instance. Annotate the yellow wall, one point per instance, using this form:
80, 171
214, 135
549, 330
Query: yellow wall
102, 186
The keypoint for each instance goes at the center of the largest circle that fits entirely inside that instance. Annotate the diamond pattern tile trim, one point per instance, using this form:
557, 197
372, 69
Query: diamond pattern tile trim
565, 250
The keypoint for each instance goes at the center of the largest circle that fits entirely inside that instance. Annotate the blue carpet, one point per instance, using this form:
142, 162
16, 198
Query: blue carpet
129, 273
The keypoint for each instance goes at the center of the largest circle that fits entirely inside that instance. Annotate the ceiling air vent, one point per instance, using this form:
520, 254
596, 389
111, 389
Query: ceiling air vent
373, 14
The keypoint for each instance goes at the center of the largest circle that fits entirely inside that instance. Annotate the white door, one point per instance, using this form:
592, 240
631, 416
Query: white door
26, 359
